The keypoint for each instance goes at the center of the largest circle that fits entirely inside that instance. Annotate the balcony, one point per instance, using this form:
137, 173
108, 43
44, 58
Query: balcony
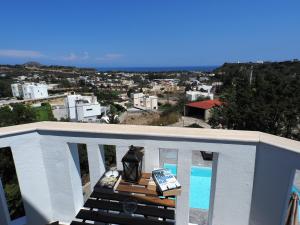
252, 174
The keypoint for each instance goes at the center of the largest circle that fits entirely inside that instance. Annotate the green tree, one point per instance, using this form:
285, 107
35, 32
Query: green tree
270, 103
10, 182
6, 117
107, 97
110, 156
23, 114
5, 89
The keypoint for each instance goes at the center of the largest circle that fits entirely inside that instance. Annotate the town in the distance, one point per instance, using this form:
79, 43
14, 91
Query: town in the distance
214, 97
87, 95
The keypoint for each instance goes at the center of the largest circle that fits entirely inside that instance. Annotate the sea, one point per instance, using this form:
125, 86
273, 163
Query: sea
158, 69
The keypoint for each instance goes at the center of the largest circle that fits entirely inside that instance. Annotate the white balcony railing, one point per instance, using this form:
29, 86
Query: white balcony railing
252, 171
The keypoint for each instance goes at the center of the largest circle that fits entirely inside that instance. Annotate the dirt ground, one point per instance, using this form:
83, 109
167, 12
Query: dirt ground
143, 118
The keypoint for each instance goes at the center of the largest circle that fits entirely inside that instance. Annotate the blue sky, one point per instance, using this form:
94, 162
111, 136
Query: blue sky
137, 33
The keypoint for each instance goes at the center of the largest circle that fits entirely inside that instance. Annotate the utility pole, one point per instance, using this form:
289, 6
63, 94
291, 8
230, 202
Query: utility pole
251, 75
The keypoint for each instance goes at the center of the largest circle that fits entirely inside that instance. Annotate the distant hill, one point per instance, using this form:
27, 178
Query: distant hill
32, 64
228, 71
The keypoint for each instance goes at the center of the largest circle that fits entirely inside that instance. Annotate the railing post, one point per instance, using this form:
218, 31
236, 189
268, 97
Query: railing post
274, 176
63, 173
4, 213
151, 159
32, 177
96, 162
232, 185
184, 162
213, 186
120, 152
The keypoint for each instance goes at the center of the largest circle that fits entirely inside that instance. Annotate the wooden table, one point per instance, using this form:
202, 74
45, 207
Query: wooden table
112, 207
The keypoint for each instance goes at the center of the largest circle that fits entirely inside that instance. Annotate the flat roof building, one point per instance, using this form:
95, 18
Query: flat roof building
29, 90
144, 102
83, 108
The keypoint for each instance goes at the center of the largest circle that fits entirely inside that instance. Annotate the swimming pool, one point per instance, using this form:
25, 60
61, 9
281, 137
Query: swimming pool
200, 186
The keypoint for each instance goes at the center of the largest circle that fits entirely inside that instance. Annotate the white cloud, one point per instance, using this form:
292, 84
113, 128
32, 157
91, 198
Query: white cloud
76, 57
70, 57
110, 57
12, 53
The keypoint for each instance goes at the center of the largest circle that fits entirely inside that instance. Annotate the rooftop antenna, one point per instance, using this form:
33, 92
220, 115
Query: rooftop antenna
251, 75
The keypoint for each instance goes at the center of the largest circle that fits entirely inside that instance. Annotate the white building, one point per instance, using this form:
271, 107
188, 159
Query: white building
204, 91
145, 102
16, 90
34, 91
29, 90
83, 108
195, 95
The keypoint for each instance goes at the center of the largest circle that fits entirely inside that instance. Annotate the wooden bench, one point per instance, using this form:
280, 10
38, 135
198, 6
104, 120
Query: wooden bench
108, 206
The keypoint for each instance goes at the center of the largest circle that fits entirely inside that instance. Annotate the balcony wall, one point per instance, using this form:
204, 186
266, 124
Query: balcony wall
252, 171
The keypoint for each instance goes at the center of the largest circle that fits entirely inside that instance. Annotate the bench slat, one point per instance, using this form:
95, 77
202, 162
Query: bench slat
141, 209
100, 193
118, 218
135, 189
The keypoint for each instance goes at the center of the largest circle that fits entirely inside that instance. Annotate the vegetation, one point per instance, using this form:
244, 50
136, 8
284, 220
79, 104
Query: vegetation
170, 113
166, 119
195, 125
110, 160
110, 156
16, 114
44, 113
10, 183
116, 108
165, 107
84, 164
107, 97
20, 114
267, 101
5, 89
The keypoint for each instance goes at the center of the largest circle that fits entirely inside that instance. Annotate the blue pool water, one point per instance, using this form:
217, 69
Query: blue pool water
200, 186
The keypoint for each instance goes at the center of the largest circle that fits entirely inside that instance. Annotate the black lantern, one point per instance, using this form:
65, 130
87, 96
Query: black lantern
133, 164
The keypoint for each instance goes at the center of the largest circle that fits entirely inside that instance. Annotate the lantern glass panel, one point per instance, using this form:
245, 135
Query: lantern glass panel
130, 171
132, 164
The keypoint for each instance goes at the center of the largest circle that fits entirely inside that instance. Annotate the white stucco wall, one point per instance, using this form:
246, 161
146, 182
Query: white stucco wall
34, 91
233, 184
32, 177
274, 175
61, 163
252, 175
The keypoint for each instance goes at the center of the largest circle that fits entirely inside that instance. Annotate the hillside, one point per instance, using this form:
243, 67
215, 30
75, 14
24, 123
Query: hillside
266, 99
229, 71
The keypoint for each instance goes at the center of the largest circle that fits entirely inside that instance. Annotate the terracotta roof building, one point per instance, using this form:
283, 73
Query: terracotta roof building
201, 109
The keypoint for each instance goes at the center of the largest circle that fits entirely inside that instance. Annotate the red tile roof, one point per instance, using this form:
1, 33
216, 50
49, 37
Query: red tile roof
206, 104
